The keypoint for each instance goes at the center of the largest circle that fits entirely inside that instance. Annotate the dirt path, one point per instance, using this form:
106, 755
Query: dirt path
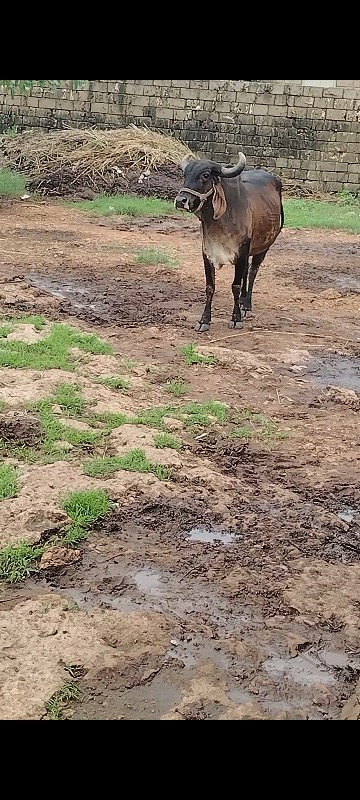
231, 591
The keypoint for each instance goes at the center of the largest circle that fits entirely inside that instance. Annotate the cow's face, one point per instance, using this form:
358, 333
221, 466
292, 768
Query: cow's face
200, 177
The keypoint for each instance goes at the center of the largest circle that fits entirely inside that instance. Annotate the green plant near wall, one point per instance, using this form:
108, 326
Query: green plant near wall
24, 86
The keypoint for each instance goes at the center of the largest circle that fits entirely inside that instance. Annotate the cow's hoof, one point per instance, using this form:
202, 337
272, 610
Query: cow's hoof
248, 315
233, 325
202, 327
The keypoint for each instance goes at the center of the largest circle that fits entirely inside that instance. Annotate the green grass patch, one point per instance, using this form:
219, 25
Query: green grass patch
37, 320
9, 486
192, 356
153, 417
5, 330
87, 507
56, 431
156, 255
203, 414
56, 706
250, 425
12, 184
84, 508
126, 205
19, 561
109, 420
163, 440
2, 405
119, 384
68, 396
177, 387
133, 461
343, 215
53, 352
192, 414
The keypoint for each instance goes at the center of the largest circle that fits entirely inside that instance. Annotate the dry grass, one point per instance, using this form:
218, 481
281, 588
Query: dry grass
89, 152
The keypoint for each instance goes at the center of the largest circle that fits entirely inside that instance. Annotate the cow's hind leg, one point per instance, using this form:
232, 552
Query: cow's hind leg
244, 284
240, 279
246, 302
205, 321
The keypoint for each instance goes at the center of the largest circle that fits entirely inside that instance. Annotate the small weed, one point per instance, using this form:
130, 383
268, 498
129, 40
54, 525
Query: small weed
119, 384
8, 481
177, 387
162, 473
21, 452
346, 198
109, 419
19, 561
156, 255
257, 426
12, 184
192, 356
153, 417
56, 706
133, 461
201, 414
129, 364
75, 535
2, 405
5, 330
86, 507
127, 205
167, 440
53, 352
68, 397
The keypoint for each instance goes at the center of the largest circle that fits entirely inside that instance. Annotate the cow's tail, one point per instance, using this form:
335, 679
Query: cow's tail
282, 215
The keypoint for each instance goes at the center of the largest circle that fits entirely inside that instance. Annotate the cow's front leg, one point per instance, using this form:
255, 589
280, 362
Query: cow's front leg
241, 269
205, 321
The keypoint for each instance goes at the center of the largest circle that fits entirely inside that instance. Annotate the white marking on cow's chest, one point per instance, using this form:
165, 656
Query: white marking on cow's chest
218, 253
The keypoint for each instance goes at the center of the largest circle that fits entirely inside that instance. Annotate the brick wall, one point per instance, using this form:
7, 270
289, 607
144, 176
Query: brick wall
306, 131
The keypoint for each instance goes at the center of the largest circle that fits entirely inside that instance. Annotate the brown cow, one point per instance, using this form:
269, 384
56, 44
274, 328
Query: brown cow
241, 215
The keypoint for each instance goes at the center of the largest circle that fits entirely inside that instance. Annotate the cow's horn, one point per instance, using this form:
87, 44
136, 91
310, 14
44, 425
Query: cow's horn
232, 172
185, 161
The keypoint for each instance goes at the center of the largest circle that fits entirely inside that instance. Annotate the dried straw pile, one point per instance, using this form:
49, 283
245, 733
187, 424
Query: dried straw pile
65, 162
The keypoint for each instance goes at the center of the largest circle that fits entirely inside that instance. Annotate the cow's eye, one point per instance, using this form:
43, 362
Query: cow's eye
206, 175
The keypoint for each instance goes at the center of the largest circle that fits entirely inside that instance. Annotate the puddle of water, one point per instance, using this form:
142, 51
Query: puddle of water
340, 660
207, 536
240, 697
197, 650
336, 370
333, 659
65, 291
347, 514
148, 582
299, 670
145, 702
344, 281
87, 600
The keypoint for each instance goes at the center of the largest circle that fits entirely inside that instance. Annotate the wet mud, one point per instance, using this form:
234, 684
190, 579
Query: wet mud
250, 557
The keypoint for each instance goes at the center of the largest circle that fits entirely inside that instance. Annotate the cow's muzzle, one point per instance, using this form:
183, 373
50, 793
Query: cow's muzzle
183, 201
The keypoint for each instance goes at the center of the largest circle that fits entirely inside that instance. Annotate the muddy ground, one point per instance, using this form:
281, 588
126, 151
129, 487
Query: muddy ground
233, 590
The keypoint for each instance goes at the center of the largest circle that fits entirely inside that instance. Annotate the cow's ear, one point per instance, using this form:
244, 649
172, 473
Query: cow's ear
219, 201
